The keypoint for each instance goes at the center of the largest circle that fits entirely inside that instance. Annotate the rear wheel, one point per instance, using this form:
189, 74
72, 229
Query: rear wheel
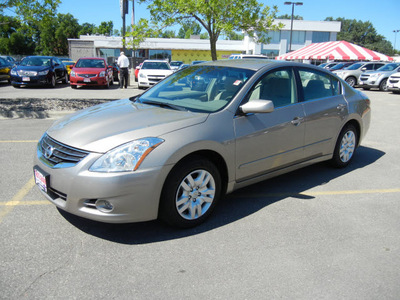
383, 85
190, 193
346, 146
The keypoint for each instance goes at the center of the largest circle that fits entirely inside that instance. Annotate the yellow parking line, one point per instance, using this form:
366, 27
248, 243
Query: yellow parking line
16, 200
25, 203
19, 141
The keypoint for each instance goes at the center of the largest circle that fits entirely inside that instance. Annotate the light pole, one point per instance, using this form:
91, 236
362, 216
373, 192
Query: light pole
395, 34
291, 20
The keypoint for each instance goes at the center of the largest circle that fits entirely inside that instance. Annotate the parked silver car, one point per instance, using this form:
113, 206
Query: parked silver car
378, 79
353, 72
173, 151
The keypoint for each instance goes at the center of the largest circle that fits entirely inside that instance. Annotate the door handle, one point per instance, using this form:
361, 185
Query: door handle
296, 121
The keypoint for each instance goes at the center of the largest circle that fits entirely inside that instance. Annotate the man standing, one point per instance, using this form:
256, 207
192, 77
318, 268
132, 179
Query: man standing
123, 63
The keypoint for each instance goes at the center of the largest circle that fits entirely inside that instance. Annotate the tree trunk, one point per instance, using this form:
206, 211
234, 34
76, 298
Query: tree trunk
213, 45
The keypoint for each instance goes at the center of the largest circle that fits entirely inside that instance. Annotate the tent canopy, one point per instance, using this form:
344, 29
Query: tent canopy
339, 50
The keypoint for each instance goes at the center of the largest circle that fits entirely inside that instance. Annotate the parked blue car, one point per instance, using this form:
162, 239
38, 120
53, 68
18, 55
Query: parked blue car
39, 70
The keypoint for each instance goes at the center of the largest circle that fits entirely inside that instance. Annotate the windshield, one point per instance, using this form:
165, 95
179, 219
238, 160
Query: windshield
388, 67
354, 67
175, 63
90, 63
198, 88
150, 65
36, 61
338, 66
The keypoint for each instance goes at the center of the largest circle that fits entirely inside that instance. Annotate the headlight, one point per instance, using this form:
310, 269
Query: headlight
102, 74
72, 73
127, 157
375, 75
13, 72
142, 75
43, 72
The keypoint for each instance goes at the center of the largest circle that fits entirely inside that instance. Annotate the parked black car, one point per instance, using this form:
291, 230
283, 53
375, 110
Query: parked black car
39, 70
5, 67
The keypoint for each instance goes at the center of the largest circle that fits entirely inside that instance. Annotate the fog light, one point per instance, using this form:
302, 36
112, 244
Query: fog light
104, 206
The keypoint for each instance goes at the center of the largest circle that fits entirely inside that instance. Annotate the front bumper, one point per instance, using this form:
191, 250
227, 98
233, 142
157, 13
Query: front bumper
134, 195
31, 80
88, 81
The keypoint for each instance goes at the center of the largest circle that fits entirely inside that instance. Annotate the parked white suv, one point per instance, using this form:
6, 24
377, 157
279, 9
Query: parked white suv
393, 83
378, 79
153, 71
353, 72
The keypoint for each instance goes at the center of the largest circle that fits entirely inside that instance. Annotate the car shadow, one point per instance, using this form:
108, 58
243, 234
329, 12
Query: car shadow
235, 206
98, 87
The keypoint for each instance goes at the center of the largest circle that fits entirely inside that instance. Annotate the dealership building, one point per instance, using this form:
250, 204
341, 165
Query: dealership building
187, 50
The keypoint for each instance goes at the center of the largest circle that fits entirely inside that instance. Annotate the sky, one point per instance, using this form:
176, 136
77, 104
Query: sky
382, 14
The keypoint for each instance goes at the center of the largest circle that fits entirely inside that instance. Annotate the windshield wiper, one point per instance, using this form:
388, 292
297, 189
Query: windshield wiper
164, 105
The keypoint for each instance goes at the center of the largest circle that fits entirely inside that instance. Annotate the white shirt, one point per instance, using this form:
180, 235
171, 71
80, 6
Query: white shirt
123, 61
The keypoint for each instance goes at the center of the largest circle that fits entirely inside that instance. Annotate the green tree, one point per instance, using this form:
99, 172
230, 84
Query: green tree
289, 17
189, 28
105, 28
66, 27
234, 36
87, 28
363, 34
216, 17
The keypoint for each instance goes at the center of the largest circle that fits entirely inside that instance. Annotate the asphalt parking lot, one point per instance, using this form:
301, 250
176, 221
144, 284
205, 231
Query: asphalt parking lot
317, 233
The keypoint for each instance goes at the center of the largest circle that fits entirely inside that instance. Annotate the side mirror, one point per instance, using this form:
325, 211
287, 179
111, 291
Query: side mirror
363, 69
257, 106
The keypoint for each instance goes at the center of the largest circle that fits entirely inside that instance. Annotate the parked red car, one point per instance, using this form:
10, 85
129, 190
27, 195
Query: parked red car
91, 71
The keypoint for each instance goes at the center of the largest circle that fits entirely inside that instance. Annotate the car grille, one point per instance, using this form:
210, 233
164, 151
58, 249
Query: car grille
155, 78
86, 75
394, 79
27, 73
56, 153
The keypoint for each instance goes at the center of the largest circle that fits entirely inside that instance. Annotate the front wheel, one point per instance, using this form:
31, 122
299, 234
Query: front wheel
53, 81
190, 193
345, 147
351, 81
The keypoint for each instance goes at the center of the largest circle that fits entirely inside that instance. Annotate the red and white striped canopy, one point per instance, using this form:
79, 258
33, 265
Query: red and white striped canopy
340, 50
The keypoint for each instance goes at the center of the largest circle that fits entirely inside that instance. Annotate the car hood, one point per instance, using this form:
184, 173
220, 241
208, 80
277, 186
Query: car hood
106, 126
156, 71
380, 72
88, 70
32, 68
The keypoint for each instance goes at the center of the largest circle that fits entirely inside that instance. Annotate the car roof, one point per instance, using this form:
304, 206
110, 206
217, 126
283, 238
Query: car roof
100, 58
252, 64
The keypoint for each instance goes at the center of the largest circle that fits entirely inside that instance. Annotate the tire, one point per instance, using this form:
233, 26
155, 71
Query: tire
65, 80
345, 147
53, 81
351, 81
383, 85
190, 193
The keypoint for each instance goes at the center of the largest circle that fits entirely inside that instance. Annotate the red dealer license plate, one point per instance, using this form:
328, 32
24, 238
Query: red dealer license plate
41, 180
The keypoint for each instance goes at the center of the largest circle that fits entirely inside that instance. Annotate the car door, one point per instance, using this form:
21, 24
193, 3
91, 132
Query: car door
325, 109
269, 141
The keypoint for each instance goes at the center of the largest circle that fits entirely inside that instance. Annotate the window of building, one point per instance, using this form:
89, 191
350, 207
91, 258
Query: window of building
269, 53
298, 37
320, 37
160, 54
274, 37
